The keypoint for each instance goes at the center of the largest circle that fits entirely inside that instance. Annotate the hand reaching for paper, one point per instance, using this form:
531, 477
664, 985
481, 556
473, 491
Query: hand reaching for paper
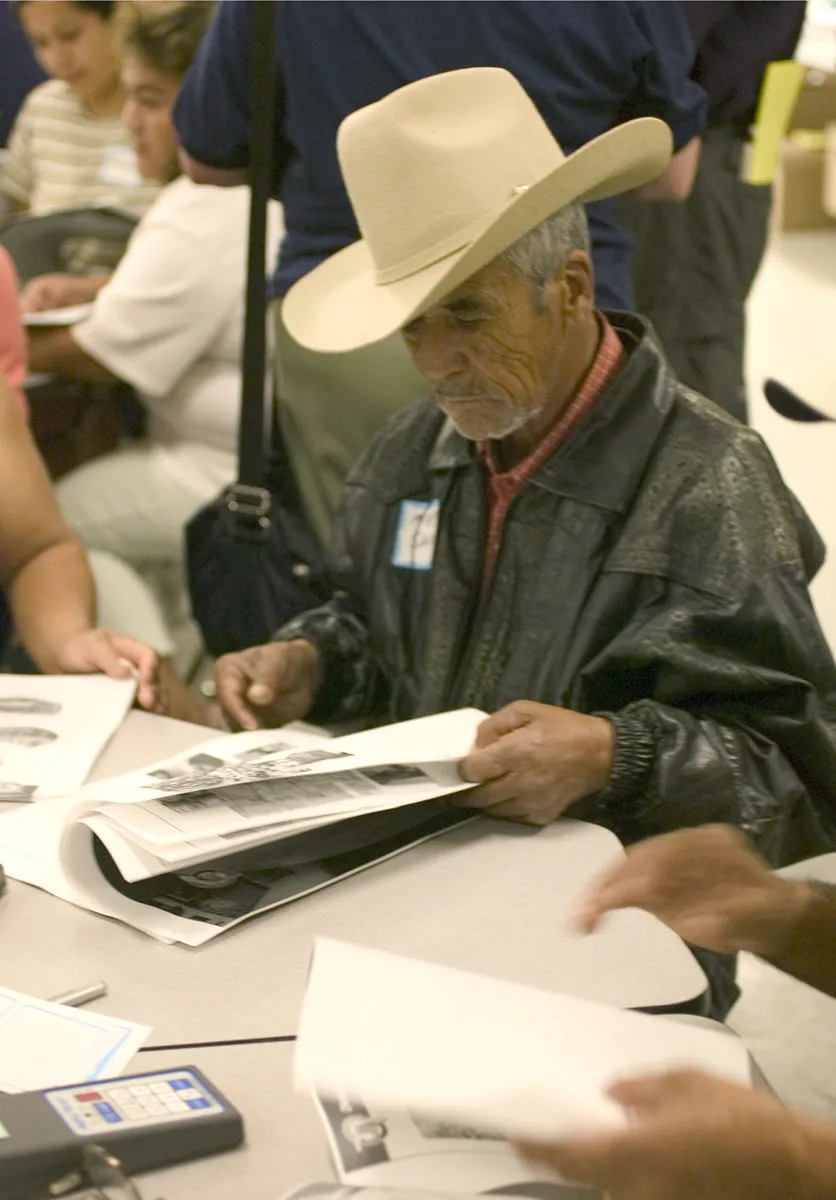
115, 655
708, 885
694, 1137
267, 686
532, 761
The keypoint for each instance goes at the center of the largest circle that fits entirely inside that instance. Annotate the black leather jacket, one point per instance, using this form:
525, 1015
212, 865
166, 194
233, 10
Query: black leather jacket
650, 571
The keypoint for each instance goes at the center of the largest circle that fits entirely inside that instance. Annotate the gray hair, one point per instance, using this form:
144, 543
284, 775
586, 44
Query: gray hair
539, 254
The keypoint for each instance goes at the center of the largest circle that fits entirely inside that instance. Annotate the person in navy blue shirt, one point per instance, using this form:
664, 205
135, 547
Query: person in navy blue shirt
696, 262
587, 66
19, 72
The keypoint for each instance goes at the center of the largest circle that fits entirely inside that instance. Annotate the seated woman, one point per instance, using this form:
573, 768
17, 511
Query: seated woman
12, 337
68, 147
169, 322
45, 577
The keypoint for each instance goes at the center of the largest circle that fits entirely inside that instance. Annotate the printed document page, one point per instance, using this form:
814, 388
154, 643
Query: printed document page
46, 1045
53, 728
447, 1044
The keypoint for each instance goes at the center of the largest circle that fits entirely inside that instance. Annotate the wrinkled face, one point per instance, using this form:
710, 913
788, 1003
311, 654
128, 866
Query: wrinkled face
492, 354
149, 98
75, 45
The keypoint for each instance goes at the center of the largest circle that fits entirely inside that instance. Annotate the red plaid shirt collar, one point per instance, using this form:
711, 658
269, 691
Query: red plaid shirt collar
606, 363
505, 485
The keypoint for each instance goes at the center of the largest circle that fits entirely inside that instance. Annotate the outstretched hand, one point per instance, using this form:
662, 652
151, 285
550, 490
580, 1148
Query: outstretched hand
707, 884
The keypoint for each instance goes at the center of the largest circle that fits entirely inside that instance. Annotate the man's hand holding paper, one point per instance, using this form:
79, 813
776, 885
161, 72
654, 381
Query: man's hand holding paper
532, 761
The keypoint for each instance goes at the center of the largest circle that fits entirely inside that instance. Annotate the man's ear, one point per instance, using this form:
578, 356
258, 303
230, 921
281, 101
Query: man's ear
580, 283
573, 288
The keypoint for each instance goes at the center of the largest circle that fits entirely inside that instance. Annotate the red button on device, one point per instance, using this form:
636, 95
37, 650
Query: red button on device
87, 1097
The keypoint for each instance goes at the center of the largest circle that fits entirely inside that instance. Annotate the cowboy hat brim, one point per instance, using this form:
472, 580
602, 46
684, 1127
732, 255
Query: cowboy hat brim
338, 306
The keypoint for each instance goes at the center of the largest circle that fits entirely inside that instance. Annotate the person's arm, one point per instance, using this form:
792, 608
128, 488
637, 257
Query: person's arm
715, 891
352, 683
202, 173
734, 723
720, 687
677, 179
808, 949
8, 206
17, 170
54, 351
44, 572
693, 1135
13, 361
732, 727
212, 111
664, 89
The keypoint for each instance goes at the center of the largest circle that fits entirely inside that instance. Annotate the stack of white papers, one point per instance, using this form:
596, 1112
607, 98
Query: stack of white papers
47, 1045
198, 842
428, 1054
53, 728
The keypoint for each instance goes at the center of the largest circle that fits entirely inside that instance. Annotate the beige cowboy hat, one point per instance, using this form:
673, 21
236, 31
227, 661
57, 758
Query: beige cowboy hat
444, 175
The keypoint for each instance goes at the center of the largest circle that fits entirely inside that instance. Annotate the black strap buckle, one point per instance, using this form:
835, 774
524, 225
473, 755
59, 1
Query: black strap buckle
249, 508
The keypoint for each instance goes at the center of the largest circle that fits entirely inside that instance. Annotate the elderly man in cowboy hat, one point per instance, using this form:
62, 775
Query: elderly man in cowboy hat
560, 534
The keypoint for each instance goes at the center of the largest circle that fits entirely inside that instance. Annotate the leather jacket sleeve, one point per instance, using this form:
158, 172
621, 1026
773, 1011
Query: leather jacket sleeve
737, 724
354, 684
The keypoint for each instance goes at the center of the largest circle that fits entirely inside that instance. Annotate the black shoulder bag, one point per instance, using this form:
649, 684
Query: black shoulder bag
253, 563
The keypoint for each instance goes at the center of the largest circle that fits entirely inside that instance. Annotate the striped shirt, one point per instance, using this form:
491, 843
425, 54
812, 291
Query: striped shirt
60, 156
504, 486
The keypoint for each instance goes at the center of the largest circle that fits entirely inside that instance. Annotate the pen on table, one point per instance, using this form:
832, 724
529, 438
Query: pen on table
79, 996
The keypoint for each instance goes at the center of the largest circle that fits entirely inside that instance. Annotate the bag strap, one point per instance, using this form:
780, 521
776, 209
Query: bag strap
263, 87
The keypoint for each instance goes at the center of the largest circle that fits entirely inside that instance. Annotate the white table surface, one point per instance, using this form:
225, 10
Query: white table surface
488, 897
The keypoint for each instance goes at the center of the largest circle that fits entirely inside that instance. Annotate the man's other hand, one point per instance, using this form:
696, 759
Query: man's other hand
693, 1137
708, 885
532, 761
266, 686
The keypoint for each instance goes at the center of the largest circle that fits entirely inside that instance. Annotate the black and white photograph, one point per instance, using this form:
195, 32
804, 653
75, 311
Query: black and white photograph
187, 768
28, 736
31, 706
11, 791
53, 728
410, 1153
253, 881
223, 773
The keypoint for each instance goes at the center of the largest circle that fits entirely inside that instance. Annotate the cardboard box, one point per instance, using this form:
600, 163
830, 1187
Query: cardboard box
805, 185
799, 190
829, 197
816, 106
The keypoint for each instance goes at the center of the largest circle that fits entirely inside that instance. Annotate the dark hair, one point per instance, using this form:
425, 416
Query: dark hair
168, 41
103, 8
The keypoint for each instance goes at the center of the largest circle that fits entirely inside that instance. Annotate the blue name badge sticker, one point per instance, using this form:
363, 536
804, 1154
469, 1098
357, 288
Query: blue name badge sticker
416, 533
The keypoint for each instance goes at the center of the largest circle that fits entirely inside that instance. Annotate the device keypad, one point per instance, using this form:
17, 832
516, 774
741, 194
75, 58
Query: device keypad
171, 1095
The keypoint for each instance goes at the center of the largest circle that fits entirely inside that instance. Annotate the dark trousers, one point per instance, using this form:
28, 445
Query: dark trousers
694, 264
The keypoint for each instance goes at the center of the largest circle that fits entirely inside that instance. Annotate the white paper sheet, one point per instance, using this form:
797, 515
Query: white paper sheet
53, 728
378, 1148
291, 848
432, 1040
46, 1045
71, 314
538, 1189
